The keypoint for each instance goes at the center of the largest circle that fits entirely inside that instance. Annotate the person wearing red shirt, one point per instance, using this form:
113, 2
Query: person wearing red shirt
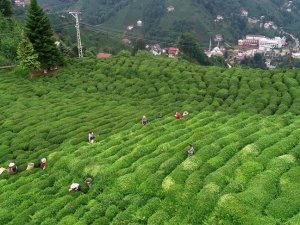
178, 115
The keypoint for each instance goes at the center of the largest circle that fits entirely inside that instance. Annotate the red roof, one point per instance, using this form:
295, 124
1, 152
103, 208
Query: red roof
126, 40
173, 50
103, 55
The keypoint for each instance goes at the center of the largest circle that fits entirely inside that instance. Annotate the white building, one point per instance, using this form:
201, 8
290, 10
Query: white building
139, 23
219, 18
155, 49
266, 44
218, 38
130, 27
20, 3
216, 51
244, 12
171, 8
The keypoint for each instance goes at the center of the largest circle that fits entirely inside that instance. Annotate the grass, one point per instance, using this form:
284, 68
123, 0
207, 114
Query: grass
244, 171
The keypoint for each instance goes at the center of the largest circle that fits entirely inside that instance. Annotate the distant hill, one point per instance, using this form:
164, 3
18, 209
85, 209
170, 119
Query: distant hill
162, 24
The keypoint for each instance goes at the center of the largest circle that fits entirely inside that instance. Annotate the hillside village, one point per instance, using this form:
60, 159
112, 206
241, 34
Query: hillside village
284, 45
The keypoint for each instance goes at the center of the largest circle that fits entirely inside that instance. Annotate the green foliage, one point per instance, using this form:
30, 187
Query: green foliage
6, 8
40, 34
242, 123
27, 56
189, 46
9, 40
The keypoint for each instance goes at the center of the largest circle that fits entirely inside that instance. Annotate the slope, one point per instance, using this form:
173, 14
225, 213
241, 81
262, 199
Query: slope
242, 123
191, 15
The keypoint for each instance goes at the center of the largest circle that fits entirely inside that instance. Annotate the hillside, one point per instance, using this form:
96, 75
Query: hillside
244, 125
195, 16
9, 38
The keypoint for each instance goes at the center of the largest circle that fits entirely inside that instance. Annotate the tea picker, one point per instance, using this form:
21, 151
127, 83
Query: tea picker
43, 163
191, 150
144, 120
12, 168
185, 113
74, 187
89, 181
178, 115
91, 137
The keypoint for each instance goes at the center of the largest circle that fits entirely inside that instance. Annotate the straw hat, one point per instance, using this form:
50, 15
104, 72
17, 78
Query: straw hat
88, 180
11, 164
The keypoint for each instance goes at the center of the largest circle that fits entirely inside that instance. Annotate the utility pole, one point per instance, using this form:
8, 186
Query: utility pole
79, 46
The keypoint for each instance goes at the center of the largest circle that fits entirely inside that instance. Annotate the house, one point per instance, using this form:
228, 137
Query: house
216, 52
155, 49
139, 23
103, 55
219, 18
251, 41
173, 52
240, 56
270, 24
296, 55
252, 20
266, 44
130, 27
126, 41
218, 38
244, 12
21, 3
171, 8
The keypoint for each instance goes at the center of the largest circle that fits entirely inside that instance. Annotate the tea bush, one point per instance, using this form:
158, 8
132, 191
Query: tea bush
243, 125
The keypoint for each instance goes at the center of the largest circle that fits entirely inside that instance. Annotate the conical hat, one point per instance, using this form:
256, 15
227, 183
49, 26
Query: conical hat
43, 160
11, 164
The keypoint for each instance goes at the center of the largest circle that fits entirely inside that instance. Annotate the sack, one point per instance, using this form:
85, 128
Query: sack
2, 170
30, 166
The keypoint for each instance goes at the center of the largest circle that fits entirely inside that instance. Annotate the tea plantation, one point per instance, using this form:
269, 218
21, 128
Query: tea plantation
243, 124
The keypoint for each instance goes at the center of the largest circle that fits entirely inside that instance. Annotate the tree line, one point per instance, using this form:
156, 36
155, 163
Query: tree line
36, 44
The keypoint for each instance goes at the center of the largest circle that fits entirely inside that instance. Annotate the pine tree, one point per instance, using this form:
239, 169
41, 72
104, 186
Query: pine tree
40, 35
6, 8
27, 55
191, 50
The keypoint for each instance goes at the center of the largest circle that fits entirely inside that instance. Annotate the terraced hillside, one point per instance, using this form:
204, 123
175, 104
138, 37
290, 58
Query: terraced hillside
244, 125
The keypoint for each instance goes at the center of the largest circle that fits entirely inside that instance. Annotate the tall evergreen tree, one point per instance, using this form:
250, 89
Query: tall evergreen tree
27, 56
40, 35
6, 8
191, 50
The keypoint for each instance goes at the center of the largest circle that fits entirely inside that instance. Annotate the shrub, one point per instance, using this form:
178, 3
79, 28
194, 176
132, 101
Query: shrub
159, 217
